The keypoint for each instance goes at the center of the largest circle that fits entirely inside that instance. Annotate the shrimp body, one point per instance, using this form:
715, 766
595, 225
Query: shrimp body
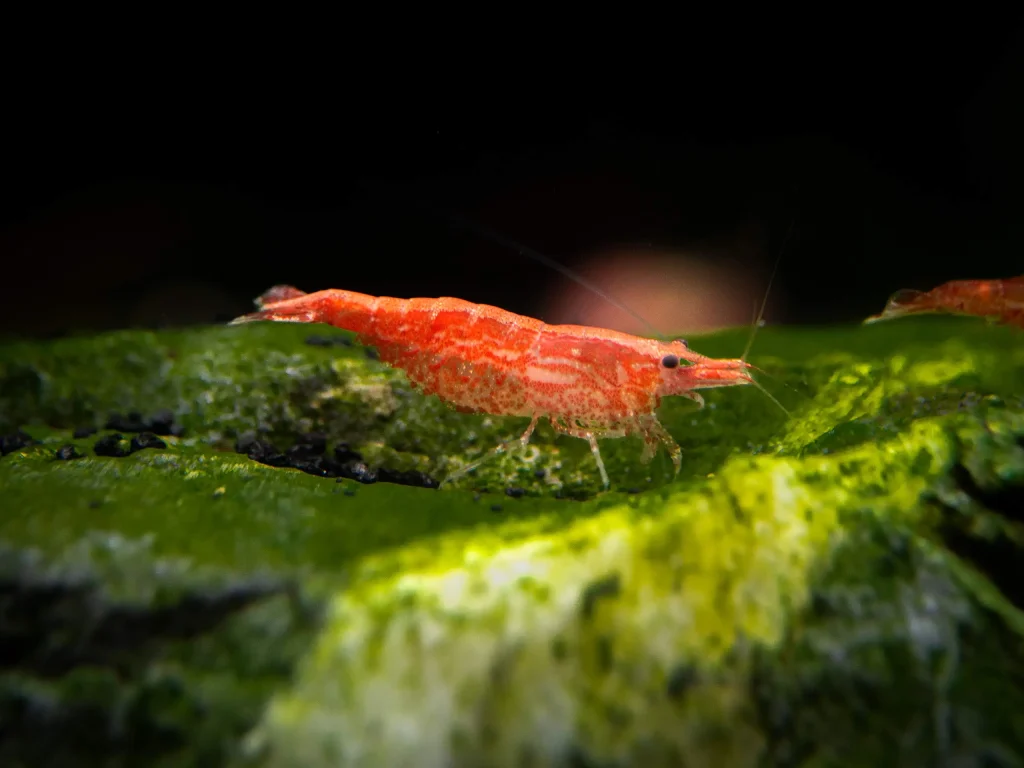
999, 299
590, 382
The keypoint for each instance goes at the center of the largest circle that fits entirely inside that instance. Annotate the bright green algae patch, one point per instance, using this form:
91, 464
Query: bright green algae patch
694, 628
834, 587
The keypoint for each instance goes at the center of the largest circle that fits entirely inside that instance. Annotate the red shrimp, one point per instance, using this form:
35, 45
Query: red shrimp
1002, 300
589, 382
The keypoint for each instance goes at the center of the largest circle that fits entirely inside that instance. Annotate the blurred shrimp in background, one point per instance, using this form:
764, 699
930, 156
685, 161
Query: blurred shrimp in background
678, 291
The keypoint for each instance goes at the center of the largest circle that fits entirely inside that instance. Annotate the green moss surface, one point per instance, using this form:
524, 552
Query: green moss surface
832, 586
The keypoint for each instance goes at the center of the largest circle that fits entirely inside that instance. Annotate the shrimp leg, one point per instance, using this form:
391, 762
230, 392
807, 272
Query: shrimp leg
590, 436
697, 397
519, 443
654, 433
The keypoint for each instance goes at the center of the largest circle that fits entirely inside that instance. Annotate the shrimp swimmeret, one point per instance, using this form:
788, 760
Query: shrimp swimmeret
589, 382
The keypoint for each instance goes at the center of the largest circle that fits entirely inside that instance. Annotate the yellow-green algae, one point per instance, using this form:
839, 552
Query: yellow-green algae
831, 588
490, 653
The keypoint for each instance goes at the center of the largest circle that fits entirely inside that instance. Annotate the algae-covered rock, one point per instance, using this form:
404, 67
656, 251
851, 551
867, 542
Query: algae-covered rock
835, 585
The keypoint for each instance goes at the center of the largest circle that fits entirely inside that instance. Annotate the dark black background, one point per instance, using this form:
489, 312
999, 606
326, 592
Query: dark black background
143, 193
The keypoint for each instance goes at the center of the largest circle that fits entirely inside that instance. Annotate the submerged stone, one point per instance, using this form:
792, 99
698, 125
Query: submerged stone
833, 586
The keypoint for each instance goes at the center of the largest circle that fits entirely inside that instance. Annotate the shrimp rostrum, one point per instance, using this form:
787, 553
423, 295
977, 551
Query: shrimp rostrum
591, 383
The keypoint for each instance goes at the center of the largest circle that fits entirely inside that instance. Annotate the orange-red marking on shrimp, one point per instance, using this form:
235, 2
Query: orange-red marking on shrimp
999, 299
590, 382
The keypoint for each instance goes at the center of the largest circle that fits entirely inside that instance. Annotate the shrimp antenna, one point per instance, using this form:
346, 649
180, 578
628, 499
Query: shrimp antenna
549, 262
506, 242
773, 377
767, 290
769, 395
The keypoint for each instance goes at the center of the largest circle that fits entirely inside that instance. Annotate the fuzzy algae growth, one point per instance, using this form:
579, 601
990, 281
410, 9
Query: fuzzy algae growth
836, 587
629, 638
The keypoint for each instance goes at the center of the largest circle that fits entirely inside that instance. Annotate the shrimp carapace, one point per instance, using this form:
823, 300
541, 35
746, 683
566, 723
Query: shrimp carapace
589, 382
1002, 300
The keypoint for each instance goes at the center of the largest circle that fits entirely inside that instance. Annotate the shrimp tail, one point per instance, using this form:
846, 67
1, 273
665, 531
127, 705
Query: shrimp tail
283, 303
342, 309
904, 302
277, 294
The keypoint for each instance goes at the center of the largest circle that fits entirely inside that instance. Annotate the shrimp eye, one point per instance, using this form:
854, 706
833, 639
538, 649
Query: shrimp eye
684, 342
670, 361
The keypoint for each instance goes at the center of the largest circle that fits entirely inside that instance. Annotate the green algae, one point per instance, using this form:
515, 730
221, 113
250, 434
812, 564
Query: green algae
222, 383
834, 585
714, 583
